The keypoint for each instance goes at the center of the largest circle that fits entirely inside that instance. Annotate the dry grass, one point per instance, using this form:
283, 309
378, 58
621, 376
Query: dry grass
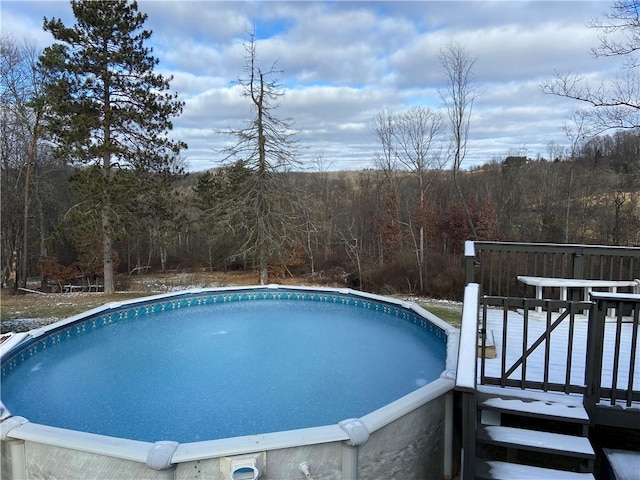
53, 305
41, 309
50, 307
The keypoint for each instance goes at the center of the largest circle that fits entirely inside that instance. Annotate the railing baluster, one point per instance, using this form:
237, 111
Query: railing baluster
572, 319
500, 256
620, 267
490, 286
616, 349
509, 273
547, 349
483, 286
505, 312
632, 357
484, 329
525, 340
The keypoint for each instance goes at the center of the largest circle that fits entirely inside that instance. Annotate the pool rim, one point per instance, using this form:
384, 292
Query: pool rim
19, 428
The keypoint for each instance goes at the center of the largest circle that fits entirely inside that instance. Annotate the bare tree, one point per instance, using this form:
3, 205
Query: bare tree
617, 103
383, 127
417, 144
623, 18
458, 97
22, 84
574, 131
267, 149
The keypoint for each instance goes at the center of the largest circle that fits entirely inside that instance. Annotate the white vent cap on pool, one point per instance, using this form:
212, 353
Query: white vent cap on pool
244, 467
356, 430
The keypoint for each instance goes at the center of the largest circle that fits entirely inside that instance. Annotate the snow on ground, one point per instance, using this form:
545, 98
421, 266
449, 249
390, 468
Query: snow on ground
26, 324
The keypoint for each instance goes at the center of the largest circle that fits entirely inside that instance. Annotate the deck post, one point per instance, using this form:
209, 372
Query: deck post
469, 422
593, 370
466, 379
470, 261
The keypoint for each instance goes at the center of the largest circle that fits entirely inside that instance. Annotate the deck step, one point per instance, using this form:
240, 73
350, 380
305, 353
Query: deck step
490, 469
534, 441
545, 409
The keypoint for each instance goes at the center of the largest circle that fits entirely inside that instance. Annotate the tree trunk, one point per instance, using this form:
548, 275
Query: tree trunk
463, 202
44, 279
264, 270
566, 215
421, 258
163, 258
107, 252
421, 265
107, 241
27, 182
12, 280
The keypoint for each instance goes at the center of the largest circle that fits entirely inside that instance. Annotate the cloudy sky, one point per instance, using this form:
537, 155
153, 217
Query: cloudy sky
343, 62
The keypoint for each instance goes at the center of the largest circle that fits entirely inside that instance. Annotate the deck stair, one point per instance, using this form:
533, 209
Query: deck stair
524, 434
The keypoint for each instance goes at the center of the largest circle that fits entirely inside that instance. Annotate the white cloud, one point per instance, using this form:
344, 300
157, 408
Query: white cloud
343, 62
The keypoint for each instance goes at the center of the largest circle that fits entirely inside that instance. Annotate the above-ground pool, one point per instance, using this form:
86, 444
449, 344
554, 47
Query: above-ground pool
254, 382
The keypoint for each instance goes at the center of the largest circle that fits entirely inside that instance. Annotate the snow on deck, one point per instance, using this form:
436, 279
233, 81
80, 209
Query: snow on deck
513, 471
624, 464
558, 350
537, 407
541, 440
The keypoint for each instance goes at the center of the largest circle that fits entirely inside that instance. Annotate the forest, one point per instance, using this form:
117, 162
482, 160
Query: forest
348, 227
92, 188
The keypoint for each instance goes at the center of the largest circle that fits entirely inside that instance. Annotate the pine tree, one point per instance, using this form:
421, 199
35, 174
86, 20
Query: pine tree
108, 107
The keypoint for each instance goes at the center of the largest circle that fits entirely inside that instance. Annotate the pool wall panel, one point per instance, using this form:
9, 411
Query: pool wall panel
51, 462
323, 459
411, 447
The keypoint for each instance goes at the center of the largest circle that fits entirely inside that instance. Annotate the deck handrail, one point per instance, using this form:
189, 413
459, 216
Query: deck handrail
496, 265
466, 377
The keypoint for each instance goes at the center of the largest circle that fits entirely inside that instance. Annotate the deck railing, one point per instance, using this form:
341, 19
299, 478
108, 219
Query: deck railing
572, 346
540, 344
495, 266
537, 351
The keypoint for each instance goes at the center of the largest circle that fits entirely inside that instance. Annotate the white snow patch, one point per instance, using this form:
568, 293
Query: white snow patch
532, 438
625, 464
513, 471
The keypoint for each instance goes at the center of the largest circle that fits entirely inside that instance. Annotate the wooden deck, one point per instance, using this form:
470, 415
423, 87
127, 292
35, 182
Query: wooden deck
538, 376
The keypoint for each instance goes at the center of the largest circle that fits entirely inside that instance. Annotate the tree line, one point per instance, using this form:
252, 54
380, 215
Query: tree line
345, 227
92, 185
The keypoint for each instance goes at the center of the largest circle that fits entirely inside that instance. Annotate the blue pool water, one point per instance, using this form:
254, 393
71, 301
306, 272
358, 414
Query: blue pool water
227, 369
